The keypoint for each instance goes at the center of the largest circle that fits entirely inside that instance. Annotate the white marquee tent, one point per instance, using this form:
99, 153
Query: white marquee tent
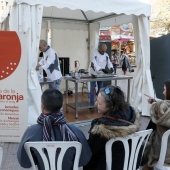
26, 17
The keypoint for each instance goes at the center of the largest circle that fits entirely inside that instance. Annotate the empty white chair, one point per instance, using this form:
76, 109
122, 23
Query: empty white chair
51, 148
130, 160
160, 164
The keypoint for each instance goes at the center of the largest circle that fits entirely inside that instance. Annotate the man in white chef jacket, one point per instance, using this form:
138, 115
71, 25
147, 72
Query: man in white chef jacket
50, 63
100, 64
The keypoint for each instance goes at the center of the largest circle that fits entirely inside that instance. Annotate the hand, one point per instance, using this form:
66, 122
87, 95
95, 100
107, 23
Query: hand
37, 67
151, 100
104, 71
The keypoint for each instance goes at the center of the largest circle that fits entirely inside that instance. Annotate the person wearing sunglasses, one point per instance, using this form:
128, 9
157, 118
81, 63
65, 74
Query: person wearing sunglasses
118, 119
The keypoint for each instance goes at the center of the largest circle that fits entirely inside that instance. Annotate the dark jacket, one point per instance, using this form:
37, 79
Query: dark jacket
35, 133
103, 129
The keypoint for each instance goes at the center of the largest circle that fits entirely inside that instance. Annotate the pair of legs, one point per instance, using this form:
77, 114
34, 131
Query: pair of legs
115, 68
56, 84
124, 69
92, 88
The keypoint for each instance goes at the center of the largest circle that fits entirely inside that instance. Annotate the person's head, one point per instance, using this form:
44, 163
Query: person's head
51, 101
102, 48
166, 91
111, 100
121, 52
114, 52
43, 46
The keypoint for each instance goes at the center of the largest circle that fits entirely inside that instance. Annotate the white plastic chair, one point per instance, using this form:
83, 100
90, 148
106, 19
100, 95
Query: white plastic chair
1, 155
160, 164
51, 148
130, 159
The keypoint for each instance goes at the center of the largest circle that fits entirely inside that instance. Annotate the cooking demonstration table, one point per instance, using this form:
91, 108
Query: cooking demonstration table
44, 81
83, 105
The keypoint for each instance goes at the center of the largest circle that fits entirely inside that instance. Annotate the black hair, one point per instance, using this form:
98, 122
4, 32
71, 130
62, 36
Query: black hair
115, 100
52, 100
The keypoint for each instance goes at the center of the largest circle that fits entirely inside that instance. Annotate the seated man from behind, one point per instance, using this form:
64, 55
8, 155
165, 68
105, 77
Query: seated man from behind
52, 127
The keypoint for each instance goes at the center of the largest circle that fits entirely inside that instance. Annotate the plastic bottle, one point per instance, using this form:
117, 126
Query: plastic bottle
75, 70
40, 73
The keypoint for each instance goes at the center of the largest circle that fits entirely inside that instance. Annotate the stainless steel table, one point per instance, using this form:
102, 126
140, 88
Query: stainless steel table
45, 81
83, 105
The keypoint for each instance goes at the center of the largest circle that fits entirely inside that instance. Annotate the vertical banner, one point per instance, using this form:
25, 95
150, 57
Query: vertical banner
13, 86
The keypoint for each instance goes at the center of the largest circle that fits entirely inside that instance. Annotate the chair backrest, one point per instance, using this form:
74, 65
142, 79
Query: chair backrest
1, 155
160, 164
130, 159
51, 148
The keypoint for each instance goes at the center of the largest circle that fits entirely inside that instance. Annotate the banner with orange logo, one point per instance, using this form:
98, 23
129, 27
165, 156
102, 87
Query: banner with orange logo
13, 86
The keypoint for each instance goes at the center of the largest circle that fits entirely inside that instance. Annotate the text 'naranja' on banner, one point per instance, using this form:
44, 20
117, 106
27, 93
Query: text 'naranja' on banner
13, 86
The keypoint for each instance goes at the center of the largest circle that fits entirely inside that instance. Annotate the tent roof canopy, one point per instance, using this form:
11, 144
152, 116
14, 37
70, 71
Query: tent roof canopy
89, 10
76, 15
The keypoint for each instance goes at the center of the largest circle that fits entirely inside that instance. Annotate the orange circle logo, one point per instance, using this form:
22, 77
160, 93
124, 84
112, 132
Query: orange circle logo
10, 53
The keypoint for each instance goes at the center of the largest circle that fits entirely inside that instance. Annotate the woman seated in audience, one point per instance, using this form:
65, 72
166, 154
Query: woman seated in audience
118, 119
160, 122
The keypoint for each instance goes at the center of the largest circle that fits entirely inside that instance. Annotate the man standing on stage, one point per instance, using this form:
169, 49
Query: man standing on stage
50, 63
100, 63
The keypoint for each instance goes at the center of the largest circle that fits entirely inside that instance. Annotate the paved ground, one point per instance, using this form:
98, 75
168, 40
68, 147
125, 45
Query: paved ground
10, 162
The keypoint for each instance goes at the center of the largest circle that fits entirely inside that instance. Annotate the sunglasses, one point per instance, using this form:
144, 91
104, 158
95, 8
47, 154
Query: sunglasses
108, 91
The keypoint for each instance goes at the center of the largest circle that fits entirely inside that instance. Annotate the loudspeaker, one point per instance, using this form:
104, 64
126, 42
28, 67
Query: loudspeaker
64, 65
160, 63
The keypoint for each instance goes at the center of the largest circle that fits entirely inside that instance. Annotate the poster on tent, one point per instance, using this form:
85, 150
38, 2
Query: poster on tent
13, 86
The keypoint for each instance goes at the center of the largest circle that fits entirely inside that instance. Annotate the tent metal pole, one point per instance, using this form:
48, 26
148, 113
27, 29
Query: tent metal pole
105, 17
88, 39
64, 19
49, 32
88, 44
19, 18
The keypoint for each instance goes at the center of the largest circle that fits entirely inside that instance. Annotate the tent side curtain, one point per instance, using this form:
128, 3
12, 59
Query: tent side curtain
27, 19
5, 25
142, 83
5, 13
106, 6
